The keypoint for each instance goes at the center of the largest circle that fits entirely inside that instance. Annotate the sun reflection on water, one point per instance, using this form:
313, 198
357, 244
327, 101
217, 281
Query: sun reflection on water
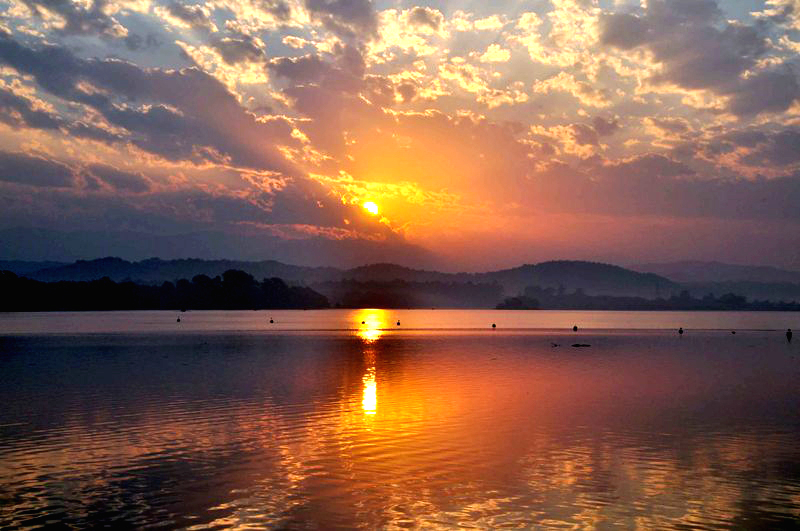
371, 324
369, 401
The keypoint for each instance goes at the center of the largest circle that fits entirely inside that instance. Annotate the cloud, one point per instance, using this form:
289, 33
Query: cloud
771, 91
33, 170
119, 179
605, 127
19, 112
697, 49
197, 17
585, 135
779, 149
623, 30
79, 18
238, 50
656, 186
277, 8
185, 114
670, 125
426, 16
495, 54
346, 18
585, 92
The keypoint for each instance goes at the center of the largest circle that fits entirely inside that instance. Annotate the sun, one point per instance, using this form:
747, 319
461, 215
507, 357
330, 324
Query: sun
371, 207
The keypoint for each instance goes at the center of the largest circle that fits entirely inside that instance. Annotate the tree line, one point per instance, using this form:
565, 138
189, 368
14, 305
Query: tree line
536, 297
233, 290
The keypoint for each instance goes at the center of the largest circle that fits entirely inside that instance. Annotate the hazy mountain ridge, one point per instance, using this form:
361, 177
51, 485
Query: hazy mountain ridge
591, 277
31, 243
24, 267
689, 271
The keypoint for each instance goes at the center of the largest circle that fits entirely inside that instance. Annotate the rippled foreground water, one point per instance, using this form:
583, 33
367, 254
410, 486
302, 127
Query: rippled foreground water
368, 428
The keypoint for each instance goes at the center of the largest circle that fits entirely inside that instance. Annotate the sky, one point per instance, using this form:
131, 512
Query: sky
479, 134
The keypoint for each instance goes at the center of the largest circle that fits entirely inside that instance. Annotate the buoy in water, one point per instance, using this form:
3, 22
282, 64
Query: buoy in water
494, 325
179, 319
789, 335
363, 322
575, 328
680, 331
271, 321
398, 322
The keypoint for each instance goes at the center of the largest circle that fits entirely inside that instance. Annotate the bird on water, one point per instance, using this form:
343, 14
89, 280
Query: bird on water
680, 331
398, 322
494, 325
575, 328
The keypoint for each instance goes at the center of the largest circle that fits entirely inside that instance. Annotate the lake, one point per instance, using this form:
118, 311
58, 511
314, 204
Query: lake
132, 419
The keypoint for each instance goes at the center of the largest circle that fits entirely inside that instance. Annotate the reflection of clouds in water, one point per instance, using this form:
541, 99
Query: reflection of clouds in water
460, 437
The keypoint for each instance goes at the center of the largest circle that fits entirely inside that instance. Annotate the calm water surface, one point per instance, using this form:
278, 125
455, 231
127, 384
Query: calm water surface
131, 420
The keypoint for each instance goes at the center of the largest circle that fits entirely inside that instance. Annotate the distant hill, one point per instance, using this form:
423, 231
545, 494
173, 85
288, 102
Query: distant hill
29, 243
717, 278
156, 271
592, 278
22, 267
695, 272
772, 291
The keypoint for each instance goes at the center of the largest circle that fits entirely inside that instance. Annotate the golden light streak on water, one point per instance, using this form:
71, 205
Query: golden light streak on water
369, 402
371, 324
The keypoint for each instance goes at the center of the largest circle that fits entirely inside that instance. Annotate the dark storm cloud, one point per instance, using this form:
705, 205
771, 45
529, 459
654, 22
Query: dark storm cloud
426, 16
346, 18
698, 49
190, 114
34, 171
79, 19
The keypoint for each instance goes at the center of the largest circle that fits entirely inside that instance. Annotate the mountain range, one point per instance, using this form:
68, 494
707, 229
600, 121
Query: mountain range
645, 280
591, 277
696, 271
